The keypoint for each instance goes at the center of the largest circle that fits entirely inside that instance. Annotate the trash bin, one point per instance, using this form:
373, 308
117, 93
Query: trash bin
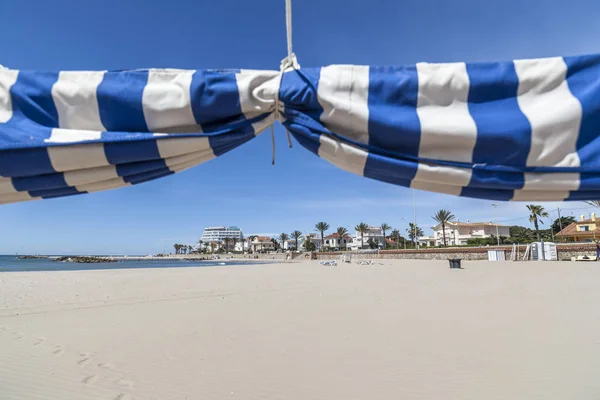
454, 263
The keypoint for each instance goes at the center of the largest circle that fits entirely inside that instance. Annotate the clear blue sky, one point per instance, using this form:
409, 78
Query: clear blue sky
242, 188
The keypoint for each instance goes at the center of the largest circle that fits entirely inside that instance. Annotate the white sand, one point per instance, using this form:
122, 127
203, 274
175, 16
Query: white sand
403, 330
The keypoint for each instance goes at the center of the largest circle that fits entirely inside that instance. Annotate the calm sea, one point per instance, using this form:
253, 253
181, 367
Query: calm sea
11, 263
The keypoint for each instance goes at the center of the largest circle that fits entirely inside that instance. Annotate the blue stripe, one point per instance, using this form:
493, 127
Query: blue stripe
128, 152
52, 193
221, 144
393, 122
120, 101
25, 162
40, 182
215, 99
32, 98
148, 176
299, 92
583, 78
503, 131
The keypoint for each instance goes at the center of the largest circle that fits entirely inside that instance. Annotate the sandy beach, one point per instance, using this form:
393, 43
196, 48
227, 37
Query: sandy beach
398, 330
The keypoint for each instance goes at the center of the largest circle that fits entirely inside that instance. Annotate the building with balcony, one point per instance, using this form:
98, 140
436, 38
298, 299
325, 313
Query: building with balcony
458, 233
584, 230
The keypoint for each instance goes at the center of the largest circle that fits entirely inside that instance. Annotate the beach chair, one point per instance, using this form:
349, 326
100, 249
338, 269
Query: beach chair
365, 262
328, 262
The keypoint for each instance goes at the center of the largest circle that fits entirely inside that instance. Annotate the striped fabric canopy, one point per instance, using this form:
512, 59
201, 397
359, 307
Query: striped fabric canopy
522, 130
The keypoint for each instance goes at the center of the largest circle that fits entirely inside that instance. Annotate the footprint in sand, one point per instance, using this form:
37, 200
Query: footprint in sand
84, 361
59, 351
38, 342
123, 396
90, 380
124, 383
106, 365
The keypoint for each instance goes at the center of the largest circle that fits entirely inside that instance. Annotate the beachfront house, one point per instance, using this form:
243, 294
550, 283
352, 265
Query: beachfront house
262, 244
458, 233
584, 230
373, 233
291, 244
334, 241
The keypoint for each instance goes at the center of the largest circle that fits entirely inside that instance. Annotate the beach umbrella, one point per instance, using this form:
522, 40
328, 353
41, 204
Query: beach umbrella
518, 130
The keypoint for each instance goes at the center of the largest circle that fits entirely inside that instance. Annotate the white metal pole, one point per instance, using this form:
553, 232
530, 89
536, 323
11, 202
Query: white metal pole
415, 220
496, 217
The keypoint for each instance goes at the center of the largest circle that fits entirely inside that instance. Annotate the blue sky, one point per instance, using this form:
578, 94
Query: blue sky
242, 188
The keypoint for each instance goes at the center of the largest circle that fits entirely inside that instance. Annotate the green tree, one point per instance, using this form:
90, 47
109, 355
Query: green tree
384, 228
395, 236
414, 232
283, 237
537, 212
595, 203
562, 221
275, 243
443, 217
341, 231
296, 235
373, 243
308, 244
362, 228
322, 228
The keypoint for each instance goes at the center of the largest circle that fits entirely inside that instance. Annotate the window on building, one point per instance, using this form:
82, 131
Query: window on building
584, 228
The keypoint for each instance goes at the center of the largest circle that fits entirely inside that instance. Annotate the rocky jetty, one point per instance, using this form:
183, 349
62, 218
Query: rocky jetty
27, 257
84, 259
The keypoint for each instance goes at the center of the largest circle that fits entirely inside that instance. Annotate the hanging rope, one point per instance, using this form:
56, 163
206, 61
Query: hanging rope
288, 26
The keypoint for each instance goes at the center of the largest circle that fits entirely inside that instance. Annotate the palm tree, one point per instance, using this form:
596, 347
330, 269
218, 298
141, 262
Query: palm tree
283, 238
443, 217
395, 236
595, 203
414, 232
537, 212
322, 227
296, 235
362, 228
341, 231
385, 227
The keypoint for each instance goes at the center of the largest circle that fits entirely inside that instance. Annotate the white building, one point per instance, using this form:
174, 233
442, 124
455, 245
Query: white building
291, 243
219, 233
262, 244
458, 233
334, 241
372, 233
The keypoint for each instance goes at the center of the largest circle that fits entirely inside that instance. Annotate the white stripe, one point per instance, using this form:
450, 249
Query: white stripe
15, 197
174, 146
103, 185
540, 195
343, 94
59, 135
347, 157
431, 175
437, 187
90, 175
6, 186
258, 91
448, 132
74, 95
197, 158
8, 78
558, 184
166, 100
552, 110
67, 158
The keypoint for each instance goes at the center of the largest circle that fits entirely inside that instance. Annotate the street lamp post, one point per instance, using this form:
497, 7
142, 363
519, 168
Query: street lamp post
496, 217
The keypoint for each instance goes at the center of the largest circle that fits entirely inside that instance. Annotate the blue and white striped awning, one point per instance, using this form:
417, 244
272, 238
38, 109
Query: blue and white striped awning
522, 130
